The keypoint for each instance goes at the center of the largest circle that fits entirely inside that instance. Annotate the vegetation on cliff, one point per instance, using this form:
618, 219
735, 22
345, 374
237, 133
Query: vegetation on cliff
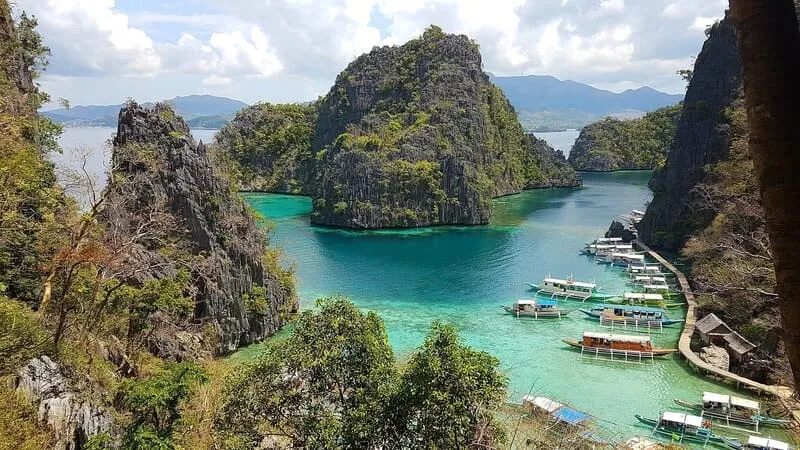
271, 146
636, 144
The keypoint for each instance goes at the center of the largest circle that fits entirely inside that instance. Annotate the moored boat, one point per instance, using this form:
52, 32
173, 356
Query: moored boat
680, 428
757, 443
621, 259
730, 409
537, 308
630, 317
563, 414
569, 288
645, 268
618, 347
640, 298
601, 243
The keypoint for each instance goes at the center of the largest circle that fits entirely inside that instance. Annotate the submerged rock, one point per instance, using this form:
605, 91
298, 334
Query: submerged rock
716, 356
73, 420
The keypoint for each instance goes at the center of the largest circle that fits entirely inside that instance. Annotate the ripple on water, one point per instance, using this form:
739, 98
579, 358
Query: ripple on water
462, 275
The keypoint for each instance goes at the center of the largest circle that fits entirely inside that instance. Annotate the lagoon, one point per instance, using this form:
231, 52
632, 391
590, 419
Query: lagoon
463, 275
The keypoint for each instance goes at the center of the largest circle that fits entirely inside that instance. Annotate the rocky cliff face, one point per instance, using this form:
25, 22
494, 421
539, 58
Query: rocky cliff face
416, 135
637, 144
166, 193
702, 138
73, 420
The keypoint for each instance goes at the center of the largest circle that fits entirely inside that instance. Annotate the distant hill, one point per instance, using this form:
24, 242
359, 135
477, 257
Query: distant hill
547, 102
205, 111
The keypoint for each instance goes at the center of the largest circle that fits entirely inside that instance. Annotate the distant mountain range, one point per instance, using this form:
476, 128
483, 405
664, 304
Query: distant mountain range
200, 111
545, 102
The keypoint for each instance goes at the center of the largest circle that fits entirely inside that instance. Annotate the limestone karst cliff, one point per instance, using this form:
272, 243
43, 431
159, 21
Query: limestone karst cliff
165, 183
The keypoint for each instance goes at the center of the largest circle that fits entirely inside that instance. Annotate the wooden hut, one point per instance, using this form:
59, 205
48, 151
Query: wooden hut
738, 347
712, 330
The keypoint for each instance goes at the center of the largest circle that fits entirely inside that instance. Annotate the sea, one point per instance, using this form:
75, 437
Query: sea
464, 275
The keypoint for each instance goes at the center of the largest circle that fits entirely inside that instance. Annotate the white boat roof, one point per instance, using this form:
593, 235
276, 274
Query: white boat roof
617, 337
656, 286
611, 239
757, 441
546, 404
631, 256
526, 302
641, 278
624, 246
642, 296
745, 403
636, 211
716, 398
602, 246
573, 283
687, 419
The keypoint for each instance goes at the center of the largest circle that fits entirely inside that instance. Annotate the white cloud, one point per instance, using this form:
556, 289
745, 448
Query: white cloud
216, 80
701, 23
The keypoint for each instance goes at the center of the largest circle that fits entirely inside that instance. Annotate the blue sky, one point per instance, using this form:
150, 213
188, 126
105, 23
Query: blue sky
105, 51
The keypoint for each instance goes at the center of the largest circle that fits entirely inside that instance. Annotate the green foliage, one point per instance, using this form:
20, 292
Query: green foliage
21, 336
272, 145
333, 384
154, 404
613, 144
18, 421
340, 207
164, 294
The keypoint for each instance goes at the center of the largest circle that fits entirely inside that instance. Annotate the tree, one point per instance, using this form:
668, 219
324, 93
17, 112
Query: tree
446, 396
769, 42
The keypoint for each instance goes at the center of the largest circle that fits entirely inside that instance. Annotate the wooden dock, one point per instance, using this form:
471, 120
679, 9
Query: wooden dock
685, 340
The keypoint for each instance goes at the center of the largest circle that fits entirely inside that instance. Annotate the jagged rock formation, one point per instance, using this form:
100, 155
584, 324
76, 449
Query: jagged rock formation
716, 356
618, 230
166, 184
271, 146
73, 420
702, 138
637, 144
417, 135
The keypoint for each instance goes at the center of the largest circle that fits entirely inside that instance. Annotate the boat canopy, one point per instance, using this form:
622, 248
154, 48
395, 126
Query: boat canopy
570, 282
543, 403
546, 302
526, 302
745, 404
631, 256
641, 296
772, 444
571, 416
688, 419
637, 212
644, 340
656, 286
611, 239
648, 309
711, 397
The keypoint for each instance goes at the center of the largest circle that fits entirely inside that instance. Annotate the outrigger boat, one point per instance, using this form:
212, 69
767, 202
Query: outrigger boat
606, 252
729, 409
645, 268
621, 259
569, 288
624, 347
601, 243
633, 318
757, 443
640, 298
682, 428
538, 308
561, 413
648, 279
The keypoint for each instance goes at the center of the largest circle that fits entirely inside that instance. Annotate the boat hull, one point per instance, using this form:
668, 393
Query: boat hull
539, 314
654, 352
623, 320
701, 438
755, 420
594, 296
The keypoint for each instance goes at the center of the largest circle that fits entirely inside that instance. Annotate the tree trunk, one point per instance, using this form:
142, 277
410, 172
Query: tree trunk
769, 45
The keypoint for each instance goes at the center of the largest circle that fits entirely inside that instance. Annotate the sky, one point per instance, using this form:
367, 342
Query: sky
105, 51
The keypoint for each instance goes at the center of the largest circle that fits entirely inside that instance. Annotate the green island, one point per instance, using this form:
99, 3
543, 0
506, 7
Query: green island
634, 144
192, 302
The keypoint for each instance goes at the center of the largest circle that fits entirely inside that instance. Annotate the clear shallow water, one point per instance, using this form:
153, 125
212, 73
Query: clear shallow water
462, 275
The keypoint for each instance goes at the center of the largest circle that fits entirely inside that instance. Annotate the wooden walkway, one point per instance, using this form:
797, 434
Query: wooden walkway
685, 340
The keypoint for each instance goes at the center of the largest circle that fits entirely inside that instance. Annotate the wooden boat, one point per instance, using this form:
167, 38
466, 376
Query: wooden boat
644, 279
757, 443
538, 308
618, 347
606, 251
645, 268
680, 428
569, 288
728, 409
562, 414
620, 259
601, 243
640, 298
627, 316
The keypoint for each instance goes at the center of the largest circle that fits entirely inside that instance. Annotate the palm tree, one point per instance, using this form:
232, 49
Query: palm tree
769, 45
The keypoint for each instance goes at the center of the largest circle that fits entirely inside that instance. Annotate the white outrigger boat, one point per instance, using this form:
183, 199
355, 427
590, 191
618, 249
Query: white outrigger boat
727, 409
757, 443
649, 279
621, 259
538, 308
646, 269
640, 298
602, 244
568, 289
619, 248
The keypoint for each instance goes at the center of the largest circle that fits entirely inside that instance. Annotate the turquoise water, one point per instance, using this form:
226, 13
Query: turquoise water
462, 275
